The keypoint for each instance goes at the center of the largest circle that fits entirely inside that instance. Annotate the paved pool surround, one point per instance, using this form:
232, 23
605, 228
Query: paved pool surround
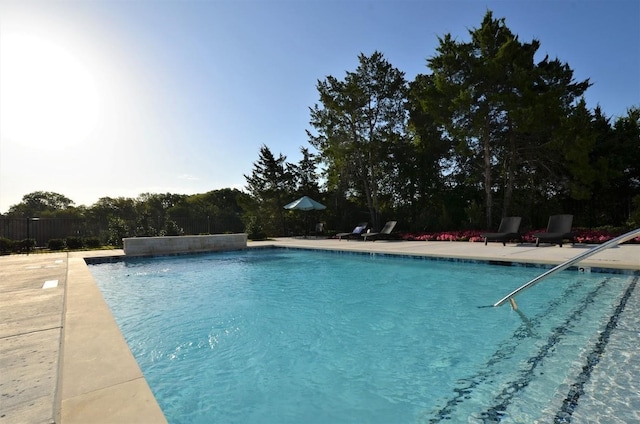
168, 245
64, 359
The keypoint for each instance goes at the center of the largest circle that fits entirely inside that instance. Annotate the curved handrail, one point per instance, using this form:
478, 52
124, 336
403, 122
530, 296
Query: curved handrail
567, 264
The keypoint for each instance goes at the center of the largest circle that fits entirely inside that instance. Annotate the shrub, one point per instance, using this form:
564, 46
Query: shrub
172, 229
74, 243
93, 242
254, 228
118, 229
634, 216
25, 245
55, 244
6, 246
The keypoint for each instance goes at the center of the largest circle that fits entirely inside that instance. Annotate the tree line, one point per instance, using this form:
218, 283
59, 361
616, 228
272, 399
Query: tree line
488, 131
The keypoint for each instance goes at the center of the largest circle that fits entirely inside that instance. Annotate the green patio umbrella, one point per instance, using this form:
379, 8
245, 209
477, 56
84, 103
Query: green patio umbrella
305, 203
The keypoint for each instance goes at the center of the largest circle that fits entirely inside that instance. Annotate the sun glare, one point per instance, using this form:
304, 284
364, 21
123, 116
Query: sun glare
48, 96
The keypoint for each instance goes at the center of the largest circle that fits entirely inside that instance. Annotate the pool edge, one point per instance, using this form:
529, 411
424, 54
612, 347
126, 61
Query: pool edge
100, 381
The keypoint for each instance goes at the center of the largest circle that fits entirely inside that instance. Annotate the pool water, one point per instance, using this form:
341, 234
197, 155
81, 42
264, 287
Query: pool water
294, 336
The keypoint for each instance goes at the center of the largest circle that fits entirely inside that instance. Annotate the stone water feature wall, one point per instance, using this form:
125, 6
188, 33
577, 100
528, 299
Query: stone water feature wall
166, 245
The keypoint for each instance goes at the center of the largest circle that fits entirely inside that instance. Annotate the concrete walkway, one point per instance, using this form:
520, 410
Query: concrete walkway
31, 322
62, 356
64, 360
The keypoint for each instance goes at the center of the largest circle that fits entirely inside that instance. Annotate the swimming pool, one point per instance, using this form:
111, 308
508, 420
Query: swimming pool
283, 335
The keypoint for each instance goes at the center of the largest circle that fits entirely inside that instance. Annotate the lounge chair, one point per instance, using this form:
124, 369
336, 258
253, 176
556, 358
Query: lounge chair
385, 233
355, 233
508, 230
558, 230
319, 230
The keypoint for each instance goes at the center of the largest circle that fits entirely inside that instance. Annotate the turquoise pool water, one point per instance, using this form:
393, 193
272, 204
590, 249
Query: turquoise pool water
293, 336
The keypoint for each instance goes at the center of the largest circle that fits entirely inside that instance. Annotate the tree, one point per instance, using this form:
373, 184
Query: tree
358, 121
305, 175
109, 207
624, 156
428, 161
270, 185
152, 211
220, 208
497, 107
116, 216
40, 204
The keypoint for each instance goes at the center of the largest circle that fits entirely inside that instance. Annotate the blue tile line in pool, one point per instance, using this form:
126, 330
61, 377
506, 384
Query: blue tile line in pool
577, 389
496, 412
506, 350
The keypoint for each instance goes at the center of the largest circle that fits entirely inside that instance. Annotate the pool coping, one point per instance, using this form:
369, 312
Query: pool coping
99, 381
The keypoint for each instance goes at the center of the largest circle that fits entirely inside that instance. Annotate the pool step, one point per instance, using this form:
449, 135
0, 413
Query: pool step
528, 382
577, 390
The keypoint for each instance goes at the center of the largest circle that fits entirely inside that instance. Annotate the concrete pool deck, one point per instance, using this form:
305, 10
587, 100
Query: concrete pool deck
64, 360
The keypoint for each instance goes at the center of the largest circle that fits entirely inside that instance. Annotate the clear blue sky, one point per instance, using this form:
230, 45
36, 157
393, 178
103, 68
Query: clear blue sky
117, 98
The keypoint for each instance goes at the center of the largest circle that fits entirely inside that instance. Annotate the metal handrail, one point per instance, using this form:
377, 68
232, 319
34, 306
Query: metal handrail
613, 242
